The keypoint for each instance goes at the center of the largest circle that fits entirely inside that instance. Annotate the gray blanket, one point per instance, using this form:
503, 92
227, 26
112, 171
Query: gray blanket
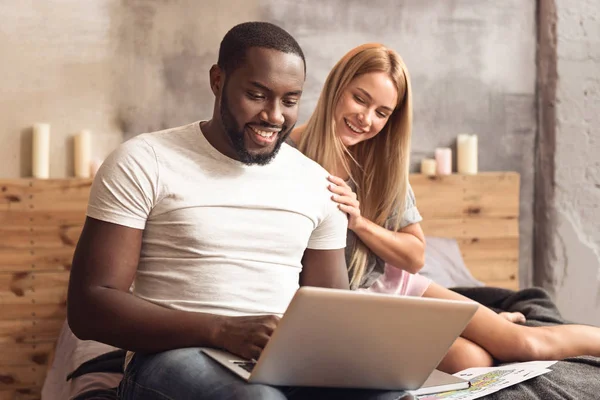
575, 378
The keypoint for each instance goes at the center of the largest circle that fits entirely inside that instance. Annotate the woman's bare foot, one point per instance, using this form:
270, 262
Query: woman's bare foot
515, 317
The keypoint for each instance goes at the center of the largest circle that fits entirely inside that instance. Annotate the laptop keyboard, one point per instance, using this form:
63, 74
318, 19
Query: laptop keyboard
247, 365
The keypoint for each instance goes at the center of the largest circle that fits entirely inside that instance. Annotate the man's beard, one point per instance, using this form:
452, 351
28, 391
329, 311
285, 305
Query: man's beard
236, 136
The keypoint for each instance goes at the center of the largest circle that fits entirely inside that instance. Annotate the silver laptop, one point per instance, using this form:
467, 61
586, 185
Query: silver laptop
349, 339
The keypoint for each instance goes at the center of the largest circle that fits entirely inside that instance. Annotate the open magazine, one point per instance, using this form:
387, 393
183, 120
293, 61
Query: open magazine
486, 381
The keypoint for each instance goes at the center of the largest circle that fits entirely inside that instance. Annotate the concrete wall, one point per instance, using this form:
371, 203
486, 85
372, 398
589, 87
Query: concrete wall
575, 262
115, 67
57, 66
125, 67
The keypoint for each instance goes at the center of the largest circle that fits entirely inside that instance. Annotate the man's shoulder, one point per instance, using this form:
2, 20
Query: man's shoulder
297, 159
170, 136
158, 144
146, 148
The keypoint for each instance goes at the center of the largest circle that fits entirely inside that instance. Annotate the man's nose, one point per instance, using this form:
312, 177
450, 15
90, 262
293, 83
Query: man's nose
272, 114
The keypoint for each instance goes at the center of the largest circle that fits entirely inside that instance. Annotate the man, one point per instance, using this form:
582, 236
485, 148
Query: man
215, 224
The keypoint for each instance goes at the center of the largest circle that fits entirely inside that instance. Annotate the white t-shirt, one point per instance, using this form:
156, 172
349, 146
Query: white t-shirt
219, 236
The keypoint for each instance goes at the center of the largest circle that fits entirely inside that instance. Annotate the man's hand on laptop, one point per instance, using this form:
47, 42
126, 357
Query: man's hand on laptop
246, 336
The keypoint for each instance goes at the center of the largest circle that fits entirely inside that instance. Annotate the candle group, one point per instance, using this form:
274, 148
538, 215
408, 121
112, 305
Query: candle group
40, 157
467, 162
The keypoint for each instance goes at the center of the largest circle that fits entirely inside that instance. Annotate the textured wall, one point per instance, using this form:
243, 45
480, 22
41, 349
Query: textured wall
166, 48
115, 67
57, 66
125, 67
576, 260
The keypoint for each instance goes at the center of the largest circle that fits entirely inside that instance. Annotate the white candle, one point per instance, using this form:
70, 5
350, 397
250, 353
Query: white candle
428, 166
40, 152
82, 153
443, 159
467, 154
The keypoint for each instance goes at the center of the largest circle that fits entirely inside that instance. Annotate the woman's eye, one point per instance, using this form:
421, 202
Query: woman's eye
382, 115
358, 99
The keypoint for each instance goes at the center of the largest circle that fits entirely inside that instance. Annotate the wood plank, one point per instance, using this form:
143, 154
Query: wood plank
471, 228
21, 377
13, 193
39, 237
33, 288
496, 181
43, 186
455, 196
30, 331
31, 393
489, 248
495, 198
73, 214
438, 199
22, 259
494, 261
494, 270
35, 311
33, 355
448, 205
512, 285
43, 202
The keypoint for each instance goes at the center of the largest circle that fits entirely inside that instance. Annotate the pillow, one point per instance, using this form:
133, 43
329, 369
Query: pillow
444, 264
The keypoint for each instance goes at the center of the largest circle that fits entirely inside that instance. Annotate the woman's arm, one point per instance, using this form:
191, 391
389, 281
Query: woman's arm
404, 249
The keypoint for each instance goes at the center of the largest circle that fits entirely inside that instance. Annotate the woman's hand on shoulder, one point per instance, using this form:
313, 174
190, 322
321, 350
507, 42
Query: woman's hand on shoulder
347, 201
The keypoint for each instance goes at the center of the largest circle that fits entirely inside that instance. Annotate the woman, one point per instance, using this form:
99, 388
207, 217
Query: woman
360, 132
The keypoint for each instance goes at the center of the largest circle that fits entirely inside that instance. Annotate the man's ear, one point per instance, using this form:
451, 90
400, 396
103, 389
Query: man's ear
217, 78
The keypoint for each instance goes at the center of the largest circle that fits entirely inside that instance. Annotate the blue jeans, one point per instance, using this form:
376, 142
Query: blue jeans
184, 374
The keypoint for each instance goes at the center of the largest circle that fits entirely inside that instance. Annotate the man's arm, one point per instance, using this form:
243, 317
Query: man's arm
324, 268
101, 308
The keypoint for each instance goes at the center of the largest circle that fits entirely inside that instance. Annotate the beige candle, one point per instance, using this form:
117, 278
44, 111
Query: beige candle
40, 152
467, 154
82, 153
428, 166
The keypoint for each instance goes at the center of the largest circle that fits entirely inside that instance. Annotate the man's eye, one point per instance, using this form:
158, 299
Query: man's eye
255, 96
290, 103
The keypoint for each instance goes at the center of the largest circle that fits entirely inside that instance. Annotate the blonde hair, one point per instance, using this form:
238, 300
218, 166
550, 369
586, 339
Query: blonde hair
378, 166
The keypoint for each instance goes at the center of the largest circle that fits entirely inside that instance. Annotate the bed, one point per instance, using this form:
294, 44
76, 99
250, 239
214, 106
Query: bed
469, 220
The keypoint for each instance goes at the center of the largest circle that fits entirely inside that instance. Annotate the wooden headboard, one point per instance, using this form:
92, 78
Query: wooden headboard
40, 222
482, 213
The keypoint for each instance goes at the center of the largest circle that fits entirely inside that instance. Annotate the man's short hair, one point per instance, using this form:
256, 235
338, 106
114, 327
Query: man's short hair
240, 38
